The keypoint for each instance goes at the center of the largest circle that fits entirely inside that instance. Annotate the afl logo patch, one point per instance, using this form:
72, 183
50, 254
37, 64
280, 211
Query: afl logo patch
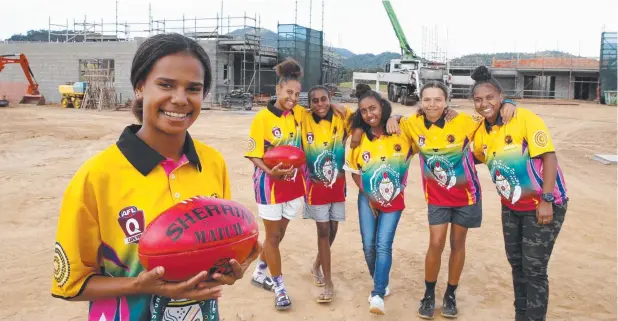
540, 138
276, 132
450, 138
310, 138
421, 140
131, 220
62, 268
251, 145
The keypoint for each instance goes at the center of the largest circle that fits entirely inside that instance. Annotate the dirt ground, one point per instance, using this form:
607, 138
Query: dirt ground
41, 147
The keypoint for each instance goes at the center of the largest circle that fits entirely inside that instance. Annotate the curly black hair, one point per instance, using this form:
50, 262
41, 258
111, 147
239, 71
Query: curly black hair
482, 75
288, 70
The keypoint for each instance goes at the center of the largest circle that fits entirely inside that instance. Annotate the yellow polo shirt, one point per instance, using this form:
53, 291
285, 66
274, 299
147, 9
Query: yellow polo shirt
511, 152
323, 140
105, 209
273, 127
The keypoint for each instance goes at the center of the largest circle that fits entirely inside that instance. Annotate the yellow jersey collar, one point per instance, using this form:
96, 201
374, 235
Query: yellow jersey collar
143, 157
276, 111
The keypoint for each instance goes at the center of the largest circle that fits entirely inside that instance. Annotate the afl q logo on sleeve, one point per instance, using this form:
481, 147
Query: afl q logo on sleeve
62, 269
540, 138
131, 221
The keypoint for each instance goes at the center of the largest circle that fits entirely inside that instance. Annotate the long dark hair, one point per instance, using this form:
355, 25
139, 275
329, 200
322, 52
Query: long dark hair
356, 121
157, 47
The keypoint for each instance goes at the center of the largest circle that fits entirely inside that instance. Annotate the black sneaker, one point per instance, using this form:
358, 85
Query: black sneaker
449, 306
428, 305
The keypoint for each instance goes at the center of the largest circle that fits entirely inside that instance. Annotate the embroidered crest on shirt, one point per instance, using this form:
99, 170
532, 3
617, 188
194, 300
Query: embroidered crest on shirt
442, 170
276, 132
326, 168
385, 185
506, 182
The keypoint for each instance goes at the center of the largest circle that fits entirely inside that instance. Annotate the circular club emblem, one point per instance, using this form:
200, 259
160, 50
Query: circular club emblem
397, 148
251, 145
508, 139
450, 138
540, 138
326, 168
385, 185
62, 268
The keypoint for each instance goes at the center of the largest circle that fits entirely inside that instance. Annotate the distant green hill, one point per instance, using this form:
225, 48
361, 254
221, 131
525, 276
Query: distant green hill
485, 59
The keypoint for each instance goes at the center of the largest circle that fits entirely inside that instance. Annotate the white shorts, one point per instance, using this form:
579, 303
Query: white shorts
275, 212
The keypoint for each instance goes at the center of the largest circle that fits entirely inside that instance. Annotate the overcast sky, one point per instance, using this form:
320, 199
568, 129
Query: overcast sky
362, 26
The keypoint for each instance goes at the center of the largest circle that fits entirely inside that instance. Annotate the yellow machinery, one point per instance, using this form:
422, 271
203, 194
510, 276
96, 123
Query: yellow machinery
72, 94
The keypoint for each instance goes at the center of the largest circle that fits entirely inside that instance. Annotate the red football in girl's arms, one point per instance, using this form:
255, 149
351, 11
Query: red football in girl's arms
288, 155
198, 234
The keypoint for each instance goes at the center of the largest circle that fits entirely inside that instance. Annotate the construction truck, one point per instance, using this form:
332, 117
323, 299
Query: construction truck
406, 76
72, 94
32, 96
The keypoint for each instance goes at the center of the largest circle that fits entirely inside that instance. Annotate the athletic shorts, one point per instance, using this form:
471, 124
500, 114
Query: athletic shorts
275, 212
469, 216
325, 213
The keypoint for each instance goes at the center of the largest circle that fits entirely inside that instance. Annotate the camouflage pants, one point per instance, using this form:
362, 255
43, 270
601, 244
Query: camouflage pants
528, 249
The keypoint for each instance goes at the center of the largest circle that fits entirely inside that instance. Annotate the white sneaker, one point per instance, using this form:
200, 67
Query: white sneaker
387, 292
376, 305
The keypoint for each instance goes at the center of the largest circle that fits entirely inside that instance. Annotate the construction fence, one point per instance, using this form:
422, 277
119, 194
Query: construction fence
306, 47
607, 68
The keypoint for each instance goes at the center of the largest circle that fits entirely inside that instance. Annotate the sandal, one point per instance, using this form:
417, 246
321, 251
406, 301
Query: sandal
282, 301
317, 280
326, 297
266, 283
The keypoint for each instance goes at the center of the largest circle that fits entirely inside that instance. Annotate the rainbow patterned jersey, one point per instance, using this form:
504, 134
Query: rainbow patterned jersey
511, 152
382, 163
324, 145
448, 174
105, 209
273, 127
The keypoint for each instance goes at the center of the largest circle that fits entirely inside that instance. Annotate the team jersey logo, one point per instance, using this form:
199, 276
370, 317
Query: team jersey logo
397, 148
366, 157
131, 221
421, 140
276, 132
540, 139
310, 137
508, 139
326, 168
506, 182
385, 185
450, 138
442, 170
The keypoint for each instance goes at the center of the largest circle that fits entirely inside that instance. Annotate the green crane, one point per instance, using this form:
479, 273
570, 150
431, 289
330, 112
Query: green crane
406, 52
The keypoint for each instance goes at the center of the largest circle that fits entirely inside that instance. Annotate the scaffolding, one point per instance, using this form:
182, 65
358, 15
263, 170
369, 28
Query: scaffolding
607, 68
306, 46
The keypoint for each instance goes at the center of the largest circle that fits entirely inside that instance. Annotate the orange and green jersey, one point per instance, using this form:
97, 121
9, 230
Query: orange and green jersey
273, 127
324, 145
106, 207
448, 174
511, 152
382, 163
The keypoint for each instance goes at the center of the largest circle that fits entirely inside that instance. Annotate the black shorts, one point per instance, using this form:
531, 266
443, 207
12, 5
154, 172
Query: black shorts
469, 216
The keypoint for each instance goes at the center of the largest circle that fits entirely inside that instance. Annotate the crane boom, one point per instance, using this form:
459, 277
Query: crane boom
406, 51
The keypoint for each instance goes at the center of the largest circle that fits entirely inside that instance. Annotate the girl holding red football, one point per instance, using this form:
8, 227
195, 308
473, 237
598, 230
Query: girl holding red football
116, 193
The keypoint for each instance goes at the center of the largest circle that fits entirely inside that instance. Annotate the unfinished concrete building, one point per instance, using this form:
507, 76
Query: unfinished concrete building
242, 54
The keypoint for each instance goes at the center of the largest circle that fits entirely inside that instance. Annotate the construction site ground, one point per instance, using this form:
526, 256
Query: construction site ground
41, 147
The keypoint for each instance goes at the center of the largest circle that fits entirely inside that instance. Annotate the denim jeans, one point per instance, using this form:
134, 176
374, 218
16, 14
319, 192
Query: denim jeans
377, 234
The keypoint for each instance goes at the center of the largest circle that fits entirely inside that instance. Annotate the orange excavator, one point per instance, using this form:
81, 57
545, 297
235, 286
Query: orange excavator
33, 95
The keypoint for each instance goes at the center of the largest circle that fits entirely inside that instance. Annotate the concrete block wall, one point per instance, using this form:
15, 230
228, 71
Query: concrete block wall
54, 64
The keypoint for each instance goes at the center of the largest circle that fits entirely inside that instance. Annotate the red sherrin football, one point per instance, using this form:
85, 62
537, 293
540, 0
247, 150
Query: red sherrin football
286, 154
198, 234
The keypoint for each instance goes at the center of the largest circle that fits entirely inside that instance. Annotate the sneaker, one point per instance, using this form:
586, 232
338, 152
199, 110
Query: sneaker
387, 292
426, 310
449, 306
376, 305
